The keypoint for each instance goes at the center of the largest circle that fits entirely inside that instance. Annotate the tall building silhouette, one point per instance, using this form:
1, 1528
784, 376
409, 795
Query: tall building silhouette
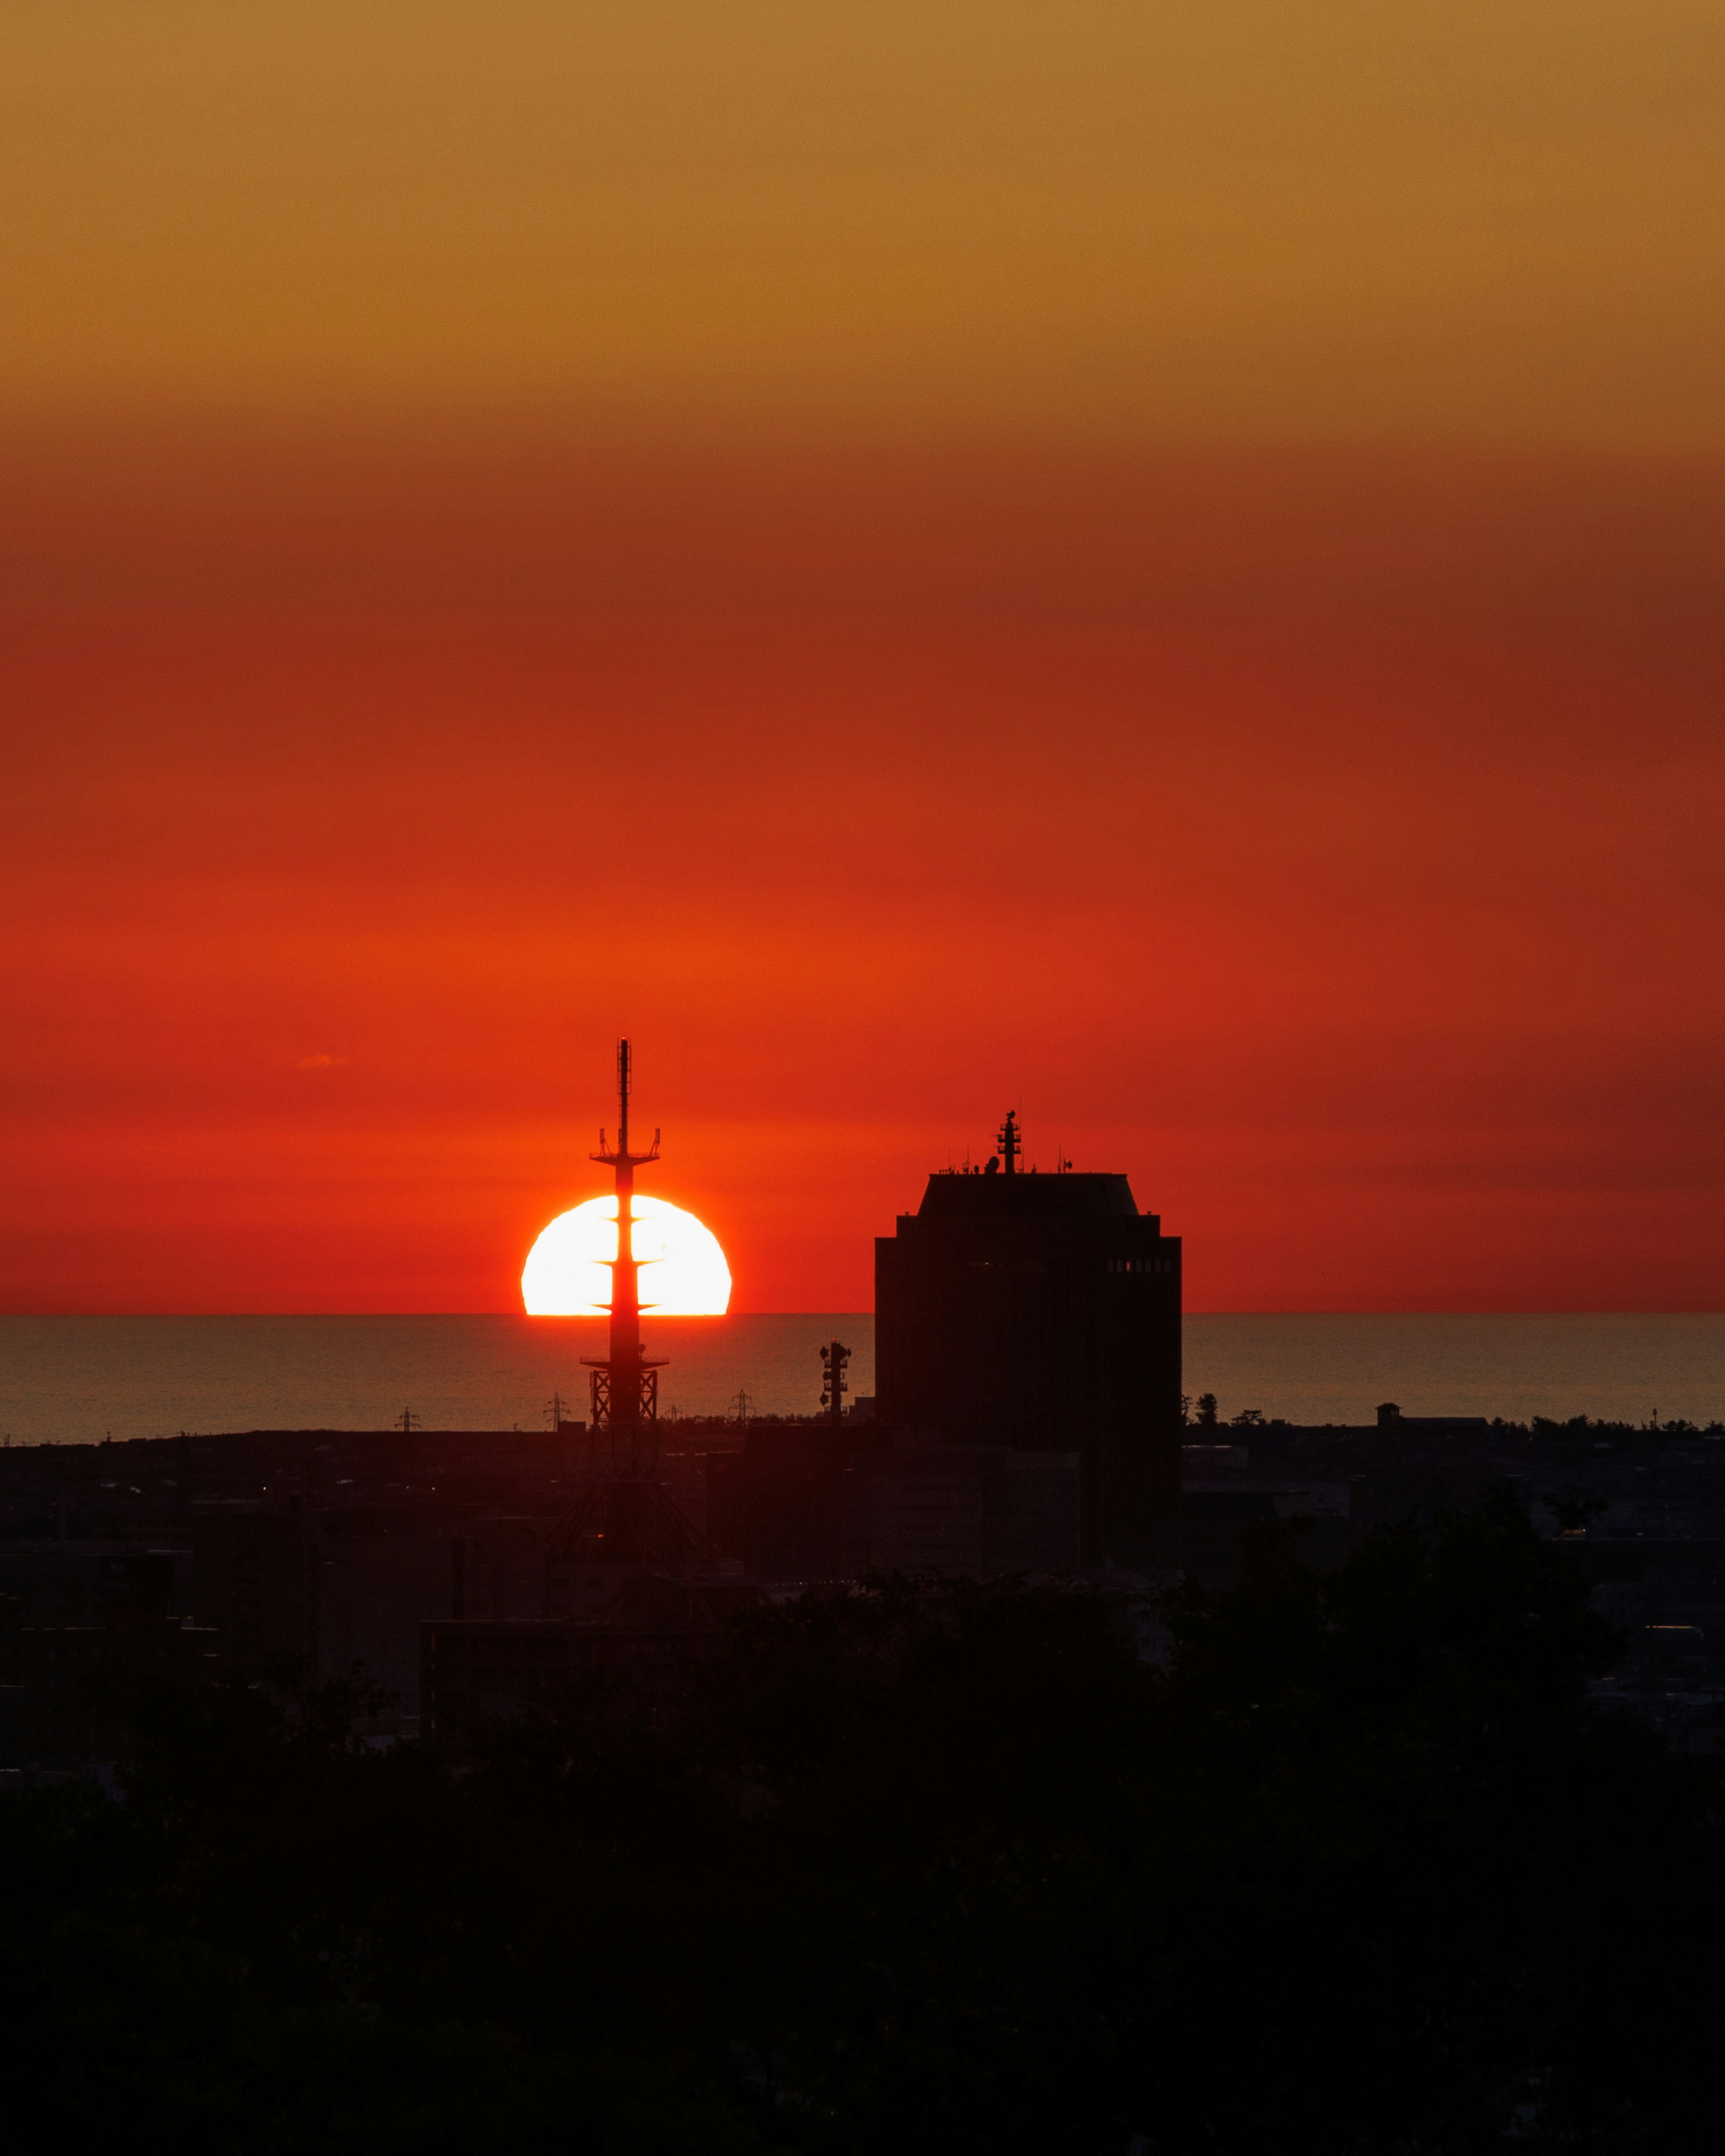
1043, 1312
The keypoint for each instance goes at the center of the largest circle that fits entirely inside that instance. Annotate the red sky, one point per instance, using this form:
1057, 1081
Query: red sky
1161, 565
1328, 838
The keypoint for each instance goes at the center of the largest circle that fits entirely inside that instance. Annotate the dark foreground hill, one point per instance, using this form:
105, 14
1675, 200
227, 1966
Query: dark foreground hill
918, 1868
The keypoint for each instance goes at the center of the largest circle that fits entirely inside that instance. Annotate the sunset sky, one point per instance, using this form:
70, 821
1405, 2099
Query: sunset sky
1163, 564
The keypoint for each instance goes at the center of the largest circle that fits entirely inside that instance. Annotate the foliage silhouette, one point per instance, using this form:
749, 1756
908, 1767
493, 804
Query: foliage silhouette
930, 1866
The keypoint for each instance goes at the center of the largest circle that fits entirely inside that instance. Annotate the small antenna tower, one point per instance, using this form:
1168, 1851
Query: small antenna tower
832, 1387
1011, 1142
409, 1421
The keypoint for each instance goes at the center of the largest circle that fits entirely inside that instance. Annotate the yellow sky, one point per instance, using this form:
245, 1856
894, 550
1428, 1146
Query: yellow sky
1497, 220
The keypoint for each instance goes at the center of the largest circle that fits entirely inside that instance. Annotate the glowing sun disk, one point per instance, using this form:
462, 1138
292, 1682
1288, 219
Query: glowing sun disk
683, 1270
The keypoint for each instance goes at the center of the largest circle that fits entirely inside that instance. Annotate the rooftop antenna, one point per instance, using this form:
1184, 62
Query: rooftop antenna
625, 1385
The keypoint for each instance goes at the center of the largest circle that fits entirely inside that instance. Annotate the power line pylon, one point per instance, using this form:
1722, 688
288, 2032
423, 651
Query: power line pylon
625, 1384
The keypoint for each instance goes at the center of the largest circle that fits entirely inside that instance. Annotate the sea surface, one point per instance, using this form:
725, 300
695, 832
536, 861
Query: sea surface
76, 1379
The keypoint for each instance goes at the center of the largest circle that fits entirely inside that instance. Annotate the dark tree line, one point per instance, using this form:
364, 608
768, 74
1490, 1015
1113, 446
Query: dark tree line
929, 1867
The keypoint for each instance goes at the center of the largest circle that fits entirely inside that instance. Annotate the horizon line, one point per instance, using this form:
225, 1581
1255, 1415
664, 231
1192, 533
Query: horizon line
598, 1317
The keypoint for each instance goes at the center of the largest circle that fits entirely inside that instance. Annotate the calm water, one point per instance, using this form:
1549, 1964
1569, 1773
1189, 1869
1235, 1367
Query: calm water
78, 1378
1337, 1369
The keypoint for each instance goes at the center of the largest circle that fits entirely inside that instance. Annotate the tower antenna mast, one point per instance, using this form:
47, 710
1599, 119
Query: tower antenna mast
625, 1384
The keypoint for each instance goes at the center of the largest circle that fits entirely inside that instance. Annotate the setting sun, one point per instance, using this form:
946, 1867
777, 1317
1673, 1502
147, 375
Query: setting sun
683, 1269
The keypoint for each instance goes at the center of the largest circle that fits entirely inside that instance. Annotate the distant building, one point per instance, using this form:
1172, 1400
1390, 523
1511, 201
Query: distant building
58, 1584
1041, 1312
650, 1628
971, 1510
1225, 1500
807, 1504
1391, 1418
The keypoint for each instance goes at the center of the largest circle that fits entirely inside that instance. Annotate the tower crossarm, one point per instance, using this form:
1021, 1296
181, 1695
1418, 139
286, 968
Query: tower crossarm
612, 1156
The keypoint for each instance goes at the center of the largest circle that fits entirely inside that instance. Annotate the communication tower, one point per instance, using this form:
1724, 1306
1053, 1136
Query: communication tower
624, 1383
624, 1520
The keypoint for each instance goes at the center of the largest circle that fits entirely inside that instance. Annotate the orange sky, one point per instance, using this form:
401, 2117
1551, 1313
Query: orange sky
1170, 574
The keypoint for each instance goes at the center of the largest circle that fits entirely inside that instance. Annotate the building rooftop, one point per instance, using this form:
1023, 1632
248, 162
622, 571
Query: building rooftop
954, 1194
